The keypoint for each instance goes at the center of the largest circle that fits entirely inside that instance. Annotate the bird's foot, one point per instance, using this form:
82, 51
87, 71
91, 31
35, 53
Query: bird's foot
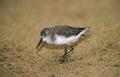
62, 59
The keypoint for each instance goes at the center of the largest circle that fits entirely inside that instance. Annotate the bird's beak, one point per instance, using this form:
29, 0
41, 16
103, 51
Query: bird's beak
39, 43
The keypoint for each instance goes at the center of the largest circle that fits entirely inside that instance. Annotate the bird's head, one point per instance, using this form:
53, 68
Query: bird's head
45, 33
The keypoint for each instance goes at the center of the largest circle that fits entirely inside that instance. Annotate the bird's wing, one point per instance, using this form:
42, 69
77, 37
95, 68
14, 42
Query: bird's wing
67, 31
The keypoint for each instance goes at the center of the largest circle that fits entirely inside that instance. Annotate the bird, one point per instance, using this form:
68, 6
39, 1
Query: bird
62, 35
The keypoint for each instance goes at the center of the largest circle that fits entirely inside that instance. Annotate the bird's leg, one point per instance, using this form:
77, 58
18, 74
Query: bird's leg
65, 54
70, 50
63, 59
65, 51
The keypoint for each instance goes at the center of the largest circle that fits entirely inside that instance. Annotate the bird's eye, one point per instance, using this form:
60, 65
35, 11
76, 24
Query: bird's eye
44, 34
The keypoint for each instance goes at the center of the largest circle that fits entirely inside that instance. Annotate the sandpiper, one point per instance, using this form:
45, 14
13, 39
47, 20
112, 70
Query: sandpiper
62, 35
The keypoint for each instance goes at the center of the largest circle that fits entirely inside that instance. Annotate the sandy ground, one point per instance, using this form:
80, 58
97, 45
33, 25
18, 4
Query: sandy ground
95, 55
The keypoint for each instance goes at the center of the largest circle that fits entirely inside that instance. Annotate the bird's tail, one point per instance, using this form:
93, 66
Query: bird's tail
85, 30
82, 33
88, 29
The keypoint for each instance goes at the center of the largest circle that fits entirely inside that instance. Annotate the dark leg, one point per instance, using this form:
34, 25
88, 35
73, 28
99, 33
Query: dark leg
65, 51
70, 50
64, 54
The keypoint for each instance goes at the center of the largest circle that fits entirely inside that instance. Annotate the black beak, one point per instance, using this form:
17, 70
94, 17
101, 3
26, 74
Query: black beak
39, 43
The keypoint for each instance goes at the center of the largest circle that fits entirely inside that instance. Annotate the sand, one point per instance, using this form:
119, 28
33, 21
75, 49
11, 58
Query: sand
95, 55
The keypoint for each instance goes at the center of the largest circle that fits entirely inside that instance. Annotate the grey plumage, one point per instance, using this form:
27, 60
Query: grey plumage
67, 31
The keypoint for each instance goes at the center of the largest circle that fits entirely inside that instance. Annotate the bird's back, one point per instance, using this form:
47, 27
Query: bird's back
67, 31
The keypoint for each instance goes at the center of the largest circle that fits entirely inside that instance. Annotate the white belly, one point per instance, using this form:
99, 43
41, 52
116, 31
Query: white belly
61, 40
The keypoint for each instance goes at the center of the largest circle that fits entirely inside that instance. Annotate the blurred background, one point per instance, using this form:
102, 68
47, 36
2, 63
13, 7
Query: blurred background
96, 55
